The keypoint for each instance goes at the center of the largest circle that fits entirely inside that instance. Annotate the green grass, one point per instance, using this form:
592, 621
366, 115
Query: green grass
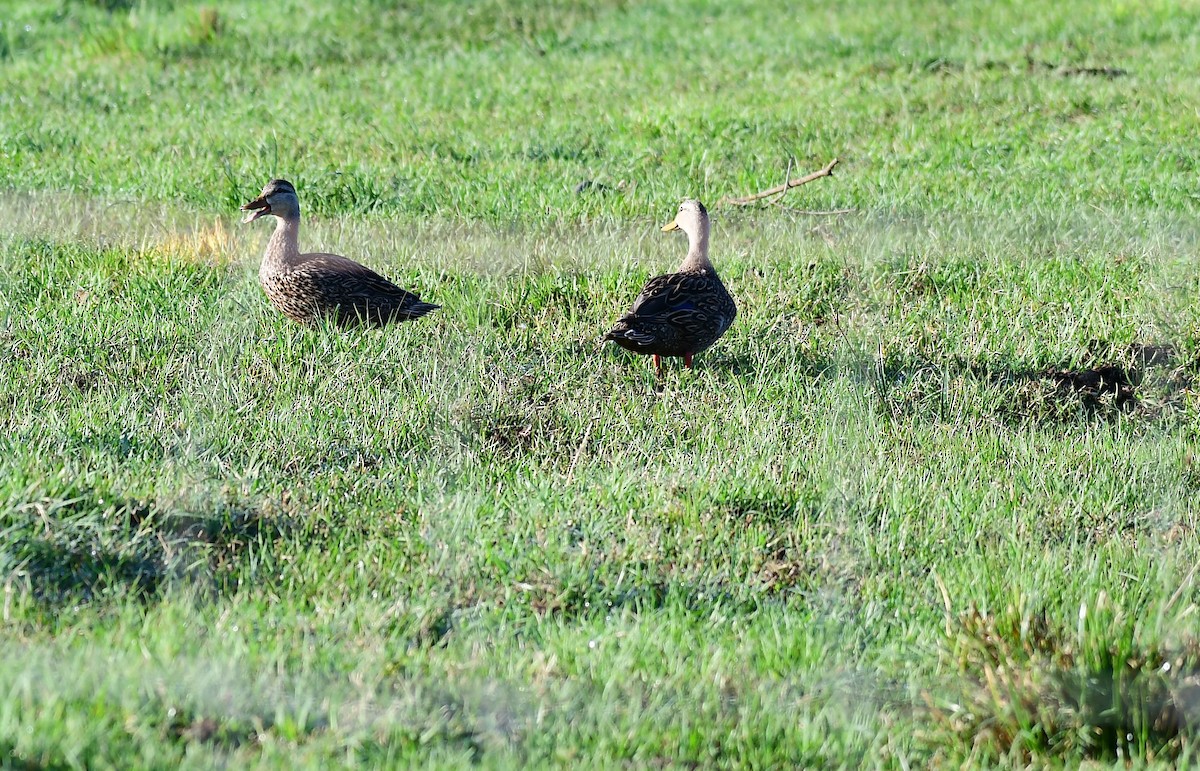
895, 518
497, 110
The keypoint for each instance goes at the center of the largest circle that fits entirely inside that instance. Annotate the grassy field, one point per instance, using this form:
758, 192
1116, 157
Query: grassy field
932, 502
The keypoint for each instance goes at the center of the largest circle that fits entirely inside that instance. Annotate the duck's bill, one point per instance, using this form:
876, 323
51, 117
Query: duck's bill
672, 225
255, 209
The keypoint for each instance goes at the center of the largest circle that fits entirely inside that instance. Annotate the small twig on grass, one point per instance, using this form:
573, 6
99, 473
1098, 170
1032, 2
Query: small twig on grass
579, 451
945, 599
815, 212
786, 186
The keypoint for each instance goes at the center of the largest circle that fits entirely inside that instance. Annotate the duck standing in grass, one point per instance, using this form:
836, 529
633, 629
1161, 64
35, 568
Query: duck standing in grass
307, 287
681, 313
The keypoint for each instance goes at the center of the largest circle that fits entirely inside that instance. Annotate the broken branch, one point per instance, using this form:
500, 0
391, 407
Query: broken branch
786, 186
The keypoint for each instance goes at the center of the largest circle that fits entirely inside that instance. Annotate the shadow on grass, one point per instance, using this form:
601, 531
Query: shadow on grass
767, 505
111, 5
84, 546
1139, 380
739, 364
114, 442
596, 593
943, 65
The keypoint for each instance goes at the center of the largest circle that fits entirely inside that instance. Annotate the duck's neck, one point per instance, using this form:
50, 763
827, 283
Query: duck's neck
285, 241
697, 255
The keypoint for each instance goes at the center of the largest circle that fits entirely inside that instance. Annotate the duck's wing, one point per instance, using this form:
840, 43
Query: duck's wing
361, 294
676, 313
673, 296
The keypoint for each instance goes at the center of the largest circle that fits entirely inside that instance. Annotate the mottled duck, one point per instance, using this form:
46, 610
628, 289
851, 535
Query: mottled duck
309, 287
680, 313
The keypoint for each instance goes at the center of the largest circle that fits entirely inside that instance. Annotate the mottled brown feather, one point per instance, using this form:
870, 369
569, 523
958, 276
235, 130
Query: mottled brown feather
309, 287
319, 285
676, 314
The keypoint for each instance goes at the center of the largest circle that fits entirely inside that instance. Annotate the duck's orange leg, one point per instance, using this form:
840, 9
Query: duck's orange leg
687, 360
658, 365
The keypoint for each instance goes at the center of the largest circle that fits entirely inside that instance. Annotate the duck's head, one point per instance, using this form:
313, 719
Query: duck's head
278, 198
692, 218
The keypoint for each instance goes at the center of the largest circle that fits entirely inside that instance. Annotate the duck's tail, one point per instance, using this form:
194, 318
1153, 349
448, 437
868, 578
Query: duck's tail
419, 309
628, 336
